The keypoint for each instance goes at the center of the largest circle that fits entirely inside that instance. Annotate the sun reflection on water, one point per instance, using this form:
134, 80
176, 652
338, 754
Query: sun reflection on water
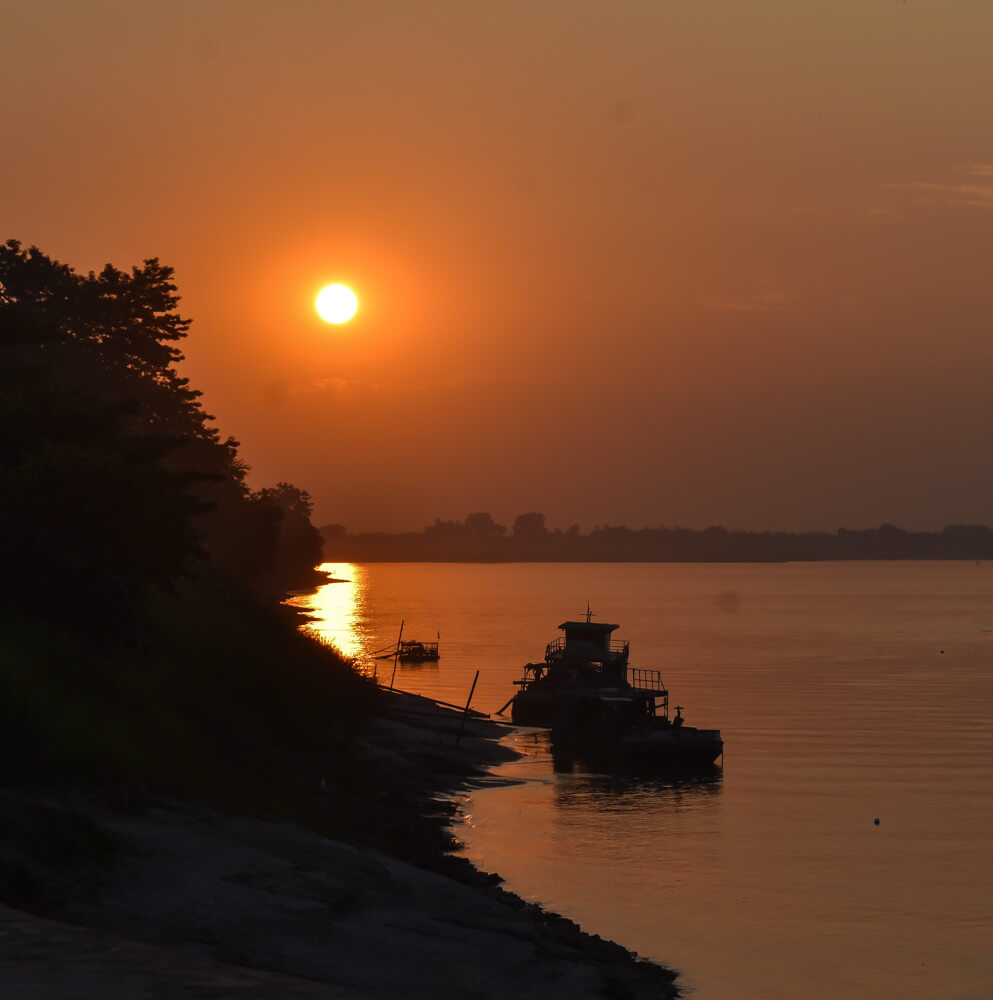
337, 610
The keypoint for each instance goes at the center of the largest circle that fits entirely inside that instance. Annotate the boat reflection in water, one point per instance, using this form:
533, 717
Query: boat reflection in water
615, 778
594, 840
619, 795
588, 770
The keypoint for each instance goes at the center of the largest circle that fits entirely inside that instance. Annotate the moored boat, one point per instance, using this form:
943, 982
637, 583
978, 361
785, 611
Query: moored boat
585, 692
413, 651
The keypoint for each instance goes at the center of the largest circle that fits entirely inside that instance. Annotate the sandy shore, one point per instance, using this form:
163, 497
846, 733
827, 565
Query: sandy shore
197, 904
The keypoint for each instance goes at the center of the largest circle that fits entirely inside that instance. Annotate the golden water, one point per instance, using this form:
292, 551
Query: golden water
845, 692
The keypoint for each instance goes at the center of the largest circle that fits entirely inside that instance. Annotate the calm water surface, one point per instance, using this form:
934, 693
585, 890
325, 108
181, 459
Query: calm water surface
845, 692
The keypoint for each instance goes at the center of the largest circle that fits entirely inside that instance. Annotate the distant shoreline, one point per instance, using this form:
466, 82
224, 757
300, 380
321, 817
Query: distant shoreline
356, 558
337, 558
491, 543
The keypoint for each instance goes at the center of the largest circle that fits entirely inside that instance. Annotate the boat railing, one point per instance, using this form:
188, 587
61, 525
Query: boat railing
646, 680
615, 647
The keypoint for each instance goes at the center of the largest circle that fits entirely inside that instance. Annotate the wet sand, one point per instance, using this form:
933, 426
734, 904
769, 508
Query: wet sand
199, 904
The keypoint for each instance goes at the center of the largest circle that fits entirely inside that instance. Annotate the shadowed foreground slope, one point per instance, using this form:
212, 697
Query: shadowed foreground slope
246, 816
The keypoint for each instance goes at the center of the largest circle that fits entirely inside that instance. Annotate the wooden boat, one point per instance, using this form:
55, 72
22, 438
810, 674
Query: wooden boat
591, 700
413, 651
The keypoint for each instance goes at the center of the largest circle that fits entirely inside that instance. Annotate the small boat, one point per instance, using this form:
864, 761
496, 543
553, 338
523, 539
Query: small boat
593, 702
413, 651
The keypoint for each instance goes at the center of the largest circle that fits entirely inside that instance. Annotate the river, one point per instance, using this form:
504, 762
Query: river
846, 693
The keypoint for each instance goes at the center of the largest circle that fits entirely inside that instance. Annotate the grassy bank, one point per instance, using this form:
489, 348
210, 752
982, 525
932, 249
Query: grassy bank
210, 695
215, 699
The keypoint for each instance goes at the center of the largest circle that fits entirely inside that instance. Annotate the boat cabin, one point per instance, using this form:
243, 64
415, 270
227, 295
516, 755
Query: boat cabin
587, 641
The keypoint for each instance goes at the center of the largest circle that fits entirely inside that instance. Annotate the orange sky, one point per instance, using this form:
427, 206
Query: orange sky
656, 262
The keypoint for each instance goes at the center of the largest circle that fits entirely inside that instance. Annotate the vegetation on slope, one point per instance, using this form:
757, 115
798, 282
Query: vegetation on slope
143, 651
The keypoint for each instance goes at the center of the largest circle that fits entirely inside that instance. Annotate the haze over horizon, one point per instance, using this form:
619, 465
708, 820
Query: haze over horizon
621, 263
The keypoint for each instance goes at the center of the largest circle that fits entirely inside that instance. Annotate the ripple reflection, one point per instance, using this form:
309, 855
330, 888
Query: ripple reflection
338, 611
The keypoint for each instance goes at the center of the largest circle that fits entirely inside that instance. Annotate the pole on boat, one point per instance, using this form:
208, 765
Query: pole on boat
396, 655
465, 714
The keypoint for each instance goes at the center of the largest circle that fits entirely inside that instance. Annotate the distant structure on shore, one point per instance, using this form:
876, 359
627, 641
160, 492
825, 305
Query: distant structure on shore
480, 539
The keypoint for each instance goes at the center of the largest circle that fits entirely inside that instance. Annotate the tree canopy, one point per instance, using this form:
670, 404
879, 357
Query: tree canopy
113, 478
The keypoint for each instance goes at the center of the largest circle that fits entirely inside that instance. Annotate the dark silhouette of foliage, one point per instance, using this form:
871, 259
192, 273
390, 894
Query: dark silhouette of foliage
531, 540
113, 479
482, 525
87, 500
478, 538
298, 546
530, 527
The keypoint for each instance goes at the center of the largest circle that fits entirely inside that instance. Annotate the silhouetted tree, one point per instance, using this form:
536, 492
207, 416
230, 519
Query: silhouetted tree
530, 527
445, 529
482, 525
112, 478
90, 409
298, 547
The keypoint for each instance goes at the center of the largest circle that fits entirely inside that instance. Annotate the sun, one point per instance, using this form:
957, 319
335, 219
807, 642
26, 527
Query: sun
336, 304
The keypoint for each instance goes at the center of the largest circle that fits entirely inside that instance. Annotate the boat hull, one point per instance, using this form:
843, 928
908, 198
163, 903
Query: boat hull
669, 748
674, 746
581, 726
535, 708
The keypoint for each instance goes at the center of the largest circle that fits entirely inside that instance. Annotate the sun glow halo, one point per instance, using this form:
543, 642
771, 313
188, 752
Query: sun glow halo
336, 304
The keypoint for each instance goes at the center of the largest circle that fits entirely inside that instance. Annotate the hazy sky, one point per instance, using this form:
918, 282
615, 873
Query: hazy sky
659, 262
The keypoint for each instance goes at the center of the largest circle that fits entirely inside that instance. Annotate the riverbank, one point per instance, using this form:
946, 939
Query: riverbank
195, 902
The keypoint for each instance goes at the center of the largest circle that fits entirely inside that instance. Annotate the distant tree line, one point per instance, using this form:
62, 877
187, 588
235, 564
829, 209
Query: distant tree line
113, 480
480, 539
